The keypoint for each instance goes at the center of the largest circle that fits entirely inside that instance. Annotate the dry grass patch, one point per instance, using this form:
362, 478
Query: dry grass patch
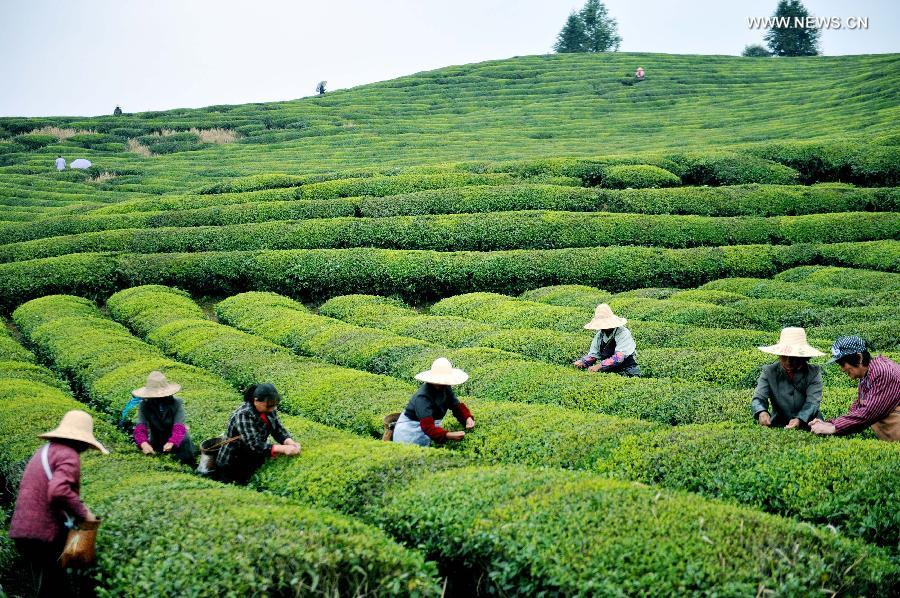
60, 133
216, 135
102, 177
136, 147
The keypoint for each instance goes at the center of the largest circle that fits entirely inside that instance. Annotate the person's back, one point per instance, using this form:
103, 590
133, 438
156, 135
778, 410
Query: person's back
60, 163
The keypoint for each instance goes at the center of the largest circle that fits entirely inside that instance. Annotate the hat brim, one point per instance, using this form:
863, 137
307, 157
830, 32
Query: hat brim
62, 435
452, 379
605, 323
157, 393
792, 350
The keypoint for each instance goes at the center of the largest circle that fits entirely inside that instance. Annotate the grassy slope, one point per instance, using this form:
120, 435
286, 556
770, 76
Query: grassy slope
555, 105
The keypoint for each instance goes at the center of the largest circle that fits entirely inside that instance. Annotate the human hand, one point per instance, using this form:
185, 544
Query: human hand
822, 428
764, 418
148, 450
470, 423
456, 435
291, 442
579, 364
595, 368
90, 515
167, 447
287, 449
794, 423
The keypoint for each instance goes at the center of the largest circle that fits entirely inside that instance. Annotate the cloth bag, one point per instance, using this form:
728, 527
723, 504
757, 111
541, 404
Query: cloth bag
81, 544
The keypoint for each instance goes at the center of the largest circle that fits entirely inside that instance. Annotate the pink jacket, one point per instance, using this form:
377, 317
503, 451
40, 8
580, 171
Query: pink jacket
40, 503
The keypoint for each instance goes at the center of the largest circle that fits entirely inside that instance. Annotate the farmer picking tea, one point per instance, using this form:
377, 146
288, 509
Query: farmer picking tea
49, 501
420, 422
613, 348
877, 403
247, 446
788, 392
160, 424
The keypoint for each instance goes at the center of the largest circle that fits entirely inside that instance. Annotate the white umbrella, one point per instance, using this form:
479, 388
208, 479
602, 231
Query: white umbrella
80, 163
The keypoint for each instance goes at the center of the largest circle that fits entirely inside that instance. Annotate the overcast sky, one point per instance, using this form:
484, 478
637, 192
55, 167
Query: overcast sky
64, 57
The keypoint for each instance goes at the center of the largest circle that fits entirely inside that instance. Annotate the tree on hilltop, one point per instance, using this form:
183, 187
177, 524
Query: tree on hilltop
589, 30
791, 40
572, 38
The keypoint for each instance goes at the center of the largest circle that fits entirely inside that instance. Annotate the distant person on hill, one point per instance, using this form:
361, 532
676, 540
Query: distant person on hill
613, 348
60, 163
788, 393
160, 424
247, 448
117, 111
877, 403
639, 73
420, 422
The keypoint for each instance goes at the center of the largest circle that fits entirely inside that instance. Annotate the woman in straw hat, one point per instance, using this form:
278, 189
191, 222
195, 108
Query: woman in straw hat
49, 497
791, 385
160, 423
613, 348
420, 422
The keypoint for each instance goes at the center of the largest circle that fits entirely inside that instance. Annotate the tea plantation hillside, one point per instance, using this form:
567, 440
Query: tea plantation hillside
538, 106
336, 245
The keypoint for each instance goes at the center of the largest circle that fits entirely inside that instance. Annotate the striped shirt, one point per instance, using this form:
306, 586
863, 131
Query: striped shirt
877, 395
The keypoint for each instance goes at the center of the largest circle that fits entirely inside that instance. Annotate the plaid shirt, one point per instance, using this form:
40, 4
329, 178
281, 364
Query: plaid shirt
247, 422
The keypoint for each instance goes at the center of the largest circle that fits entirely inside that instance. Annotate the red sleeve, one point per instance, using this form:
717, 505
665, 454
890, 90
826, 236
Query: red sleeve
432, 431
462, 413
62, 488
179, 431
140, 434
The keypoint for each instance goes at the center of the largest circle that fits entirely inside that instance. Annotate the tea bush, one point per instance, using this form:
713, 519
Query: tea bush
638, 176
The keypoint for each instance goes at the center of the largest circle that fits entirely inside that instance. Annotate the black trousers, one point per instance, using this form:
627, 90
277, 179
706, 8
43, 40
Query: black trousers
48, 579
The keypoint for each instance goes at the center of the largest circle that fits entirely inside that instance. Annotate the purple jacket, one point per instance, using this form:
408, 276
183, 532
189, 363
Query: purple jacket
41, 502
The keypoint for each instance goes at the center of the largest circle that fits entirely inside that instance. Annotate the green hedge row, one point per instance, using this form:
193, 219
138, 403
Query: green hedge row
142, 502
273, 205
744, 200
731, 169
537, 438
836, 161
762, 288
377, 185
213, 216
638, 176
848, 278
416, 275
471, 232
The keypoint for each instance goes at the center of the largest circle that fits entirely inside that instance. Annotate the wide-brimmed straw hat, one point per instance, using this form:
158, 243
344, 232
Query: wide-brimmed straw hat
792, 344
157, 386
604, 319
443, 372
76, 425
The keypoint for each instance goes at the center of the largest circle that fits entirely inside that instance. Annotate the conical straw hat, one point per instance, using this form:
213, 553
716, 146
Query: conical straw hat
792, 344
443, 372
76, 425
604, 319
157, 386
